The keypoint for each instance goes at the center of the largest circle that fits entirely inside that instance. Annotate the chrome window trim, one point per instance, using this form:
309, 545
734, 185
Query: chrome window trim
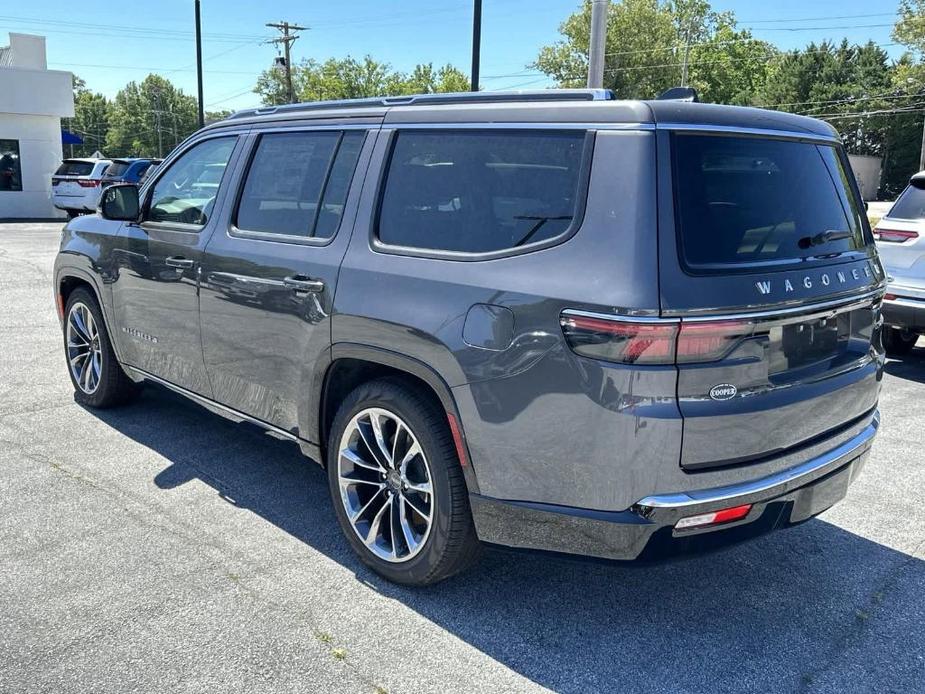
515, 125
778, 482
737, 130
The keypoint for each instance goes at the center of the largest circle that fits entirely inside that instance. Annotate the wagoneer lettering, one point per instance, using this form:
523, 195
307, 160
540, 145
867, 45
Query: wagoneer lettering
422, 295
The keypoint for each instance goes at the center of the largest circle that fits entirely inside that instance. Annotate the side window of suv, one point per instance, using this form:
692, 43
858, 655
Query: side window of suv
185, 194
297, 183
481, 191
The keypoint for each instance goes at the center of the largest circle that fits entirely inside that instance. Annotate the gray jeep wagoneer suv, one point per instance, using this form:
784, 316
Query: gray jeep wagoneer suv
545, 320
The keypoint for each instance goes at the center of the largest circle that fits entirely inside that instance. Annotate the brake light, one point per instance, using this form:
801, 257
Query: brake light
711, 340
889, 297
653, 342
88, 182
726, 515
619, 340
894, 235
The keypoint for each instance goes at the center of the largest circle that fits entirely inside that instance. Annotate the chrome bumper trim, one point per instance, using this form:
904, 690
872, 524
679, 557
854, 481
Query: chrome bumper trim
779, 483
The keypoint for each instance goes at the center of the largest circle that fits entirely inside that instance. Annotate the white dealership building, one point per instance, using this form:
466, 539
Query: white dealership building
33, 100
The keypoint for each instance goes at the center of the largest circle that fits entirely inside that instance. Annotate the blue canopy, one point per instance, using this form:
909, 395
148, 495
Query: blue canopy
69, 138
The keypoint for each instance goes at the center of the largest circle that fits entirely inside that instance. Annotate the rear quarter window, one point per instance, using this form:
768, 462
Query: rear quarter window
747, 201
481, 191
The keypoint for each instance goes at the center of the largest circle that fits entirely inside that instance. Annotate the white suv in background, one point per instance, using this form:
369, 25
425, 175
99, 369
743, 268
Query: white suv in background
77, 184
900, 236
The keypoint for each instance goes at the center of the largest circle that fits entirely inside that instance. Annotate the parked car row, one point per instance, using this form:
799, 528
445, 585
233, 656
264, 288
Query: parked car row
78, 183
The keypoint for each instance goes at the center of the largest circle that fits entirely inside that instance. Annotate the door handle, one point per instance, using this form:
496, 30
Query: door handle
301, 283
179, 262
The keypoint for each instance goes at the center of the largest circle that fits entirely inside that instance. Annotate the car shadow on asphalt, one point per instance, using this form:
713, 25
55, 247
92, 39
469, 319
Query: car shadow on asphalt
910, 367
813, 607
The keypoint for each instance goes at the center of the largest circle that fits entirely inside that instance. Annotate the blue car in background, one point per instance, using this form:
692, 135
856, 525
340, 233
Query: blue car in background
128, 170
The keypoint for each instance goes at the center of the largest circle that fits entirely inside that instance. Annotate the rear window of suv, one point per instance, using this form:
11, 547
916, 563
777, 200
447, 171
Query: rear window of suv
481, 191
746, 201
75, 168
911, 204
117, 168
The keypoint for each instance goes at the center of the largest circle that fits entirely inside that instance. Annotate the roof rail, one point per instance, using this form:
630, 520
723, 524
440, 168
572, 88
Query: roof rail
426, 99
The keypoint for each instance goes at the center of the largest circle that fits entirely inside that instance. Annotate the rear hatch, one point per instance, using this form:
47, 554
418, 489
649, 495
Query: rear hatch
766, 259
66, 181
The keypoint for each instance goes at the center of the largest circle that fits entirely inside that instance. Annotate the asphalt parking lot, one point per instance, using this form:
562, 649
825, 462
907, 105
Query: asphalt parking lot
161, 548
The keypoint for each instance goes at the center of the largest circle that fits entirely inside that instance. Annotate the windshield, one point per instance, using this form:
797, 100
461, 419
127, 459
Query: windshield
750, 201
910, 205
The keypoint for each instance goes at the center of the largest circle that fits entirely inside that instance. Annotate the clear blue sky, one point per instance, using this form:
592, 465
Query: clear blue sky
111, 42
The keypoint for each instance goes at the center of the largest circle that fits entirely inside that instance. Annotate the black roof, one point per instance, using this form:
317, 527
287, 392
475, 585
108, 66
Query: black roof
548, 105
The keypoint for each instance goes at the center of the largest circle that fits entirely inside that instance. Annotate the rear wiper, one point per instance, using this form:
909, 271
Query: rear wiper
824, 237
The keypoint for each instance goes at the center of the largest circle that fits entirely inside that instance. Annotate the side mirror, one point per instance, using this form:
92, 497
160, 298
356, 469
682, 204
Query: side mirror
120, 202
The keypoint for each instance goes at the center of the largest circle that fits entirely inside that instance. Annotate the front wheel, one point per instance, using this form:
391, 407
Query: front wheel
397, 487
96, 374
898, 342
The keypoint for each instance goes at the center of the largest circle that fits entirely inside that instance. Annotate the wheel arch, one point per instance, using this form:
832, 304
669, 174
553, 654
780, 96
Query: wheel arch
354, 364
69, 278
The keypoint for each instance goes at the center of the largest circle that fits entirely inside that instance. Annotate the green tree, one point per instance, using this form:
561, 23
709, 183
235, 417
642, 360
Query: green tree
150, 118
648, 44
910, 27
90, 121
349, 78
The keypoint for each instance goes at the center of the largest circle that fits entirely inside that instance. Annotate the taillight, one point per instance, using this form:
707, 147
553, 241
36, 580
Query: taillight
711, 340
88, 182
894, 235
618, 340
654, 342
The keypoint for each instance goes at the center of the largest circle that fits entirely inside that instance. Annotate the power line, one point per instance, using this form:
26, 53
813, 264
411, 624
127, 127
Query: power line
913, 108
122, 29
816, 19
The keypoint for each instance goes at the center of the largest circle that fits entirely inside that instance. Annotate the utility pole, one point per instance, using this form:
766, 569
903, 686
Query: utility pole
598, 43
922, 151
202, 117
286, 39
687, 53
476, 43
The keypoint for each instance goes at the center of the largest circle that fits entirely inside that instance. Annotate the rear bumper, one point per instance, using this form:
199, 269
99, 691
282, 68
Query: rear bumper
646, 531
904, 312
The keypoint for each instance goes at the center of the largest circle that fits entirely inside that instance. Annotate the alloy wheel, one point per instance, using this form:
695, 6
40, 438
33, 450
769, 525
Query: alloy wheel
84, 352
385, 485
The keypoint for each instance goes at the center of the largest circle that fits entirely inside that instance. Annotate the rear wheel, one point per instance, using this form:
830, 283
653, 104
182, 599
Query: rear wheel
898, 342
397, 486
96, 374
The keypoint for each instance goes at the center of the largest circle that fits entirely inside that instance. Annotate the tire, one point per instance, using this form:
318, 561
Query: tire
418, 552
72, 214
98, 378
898, 342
